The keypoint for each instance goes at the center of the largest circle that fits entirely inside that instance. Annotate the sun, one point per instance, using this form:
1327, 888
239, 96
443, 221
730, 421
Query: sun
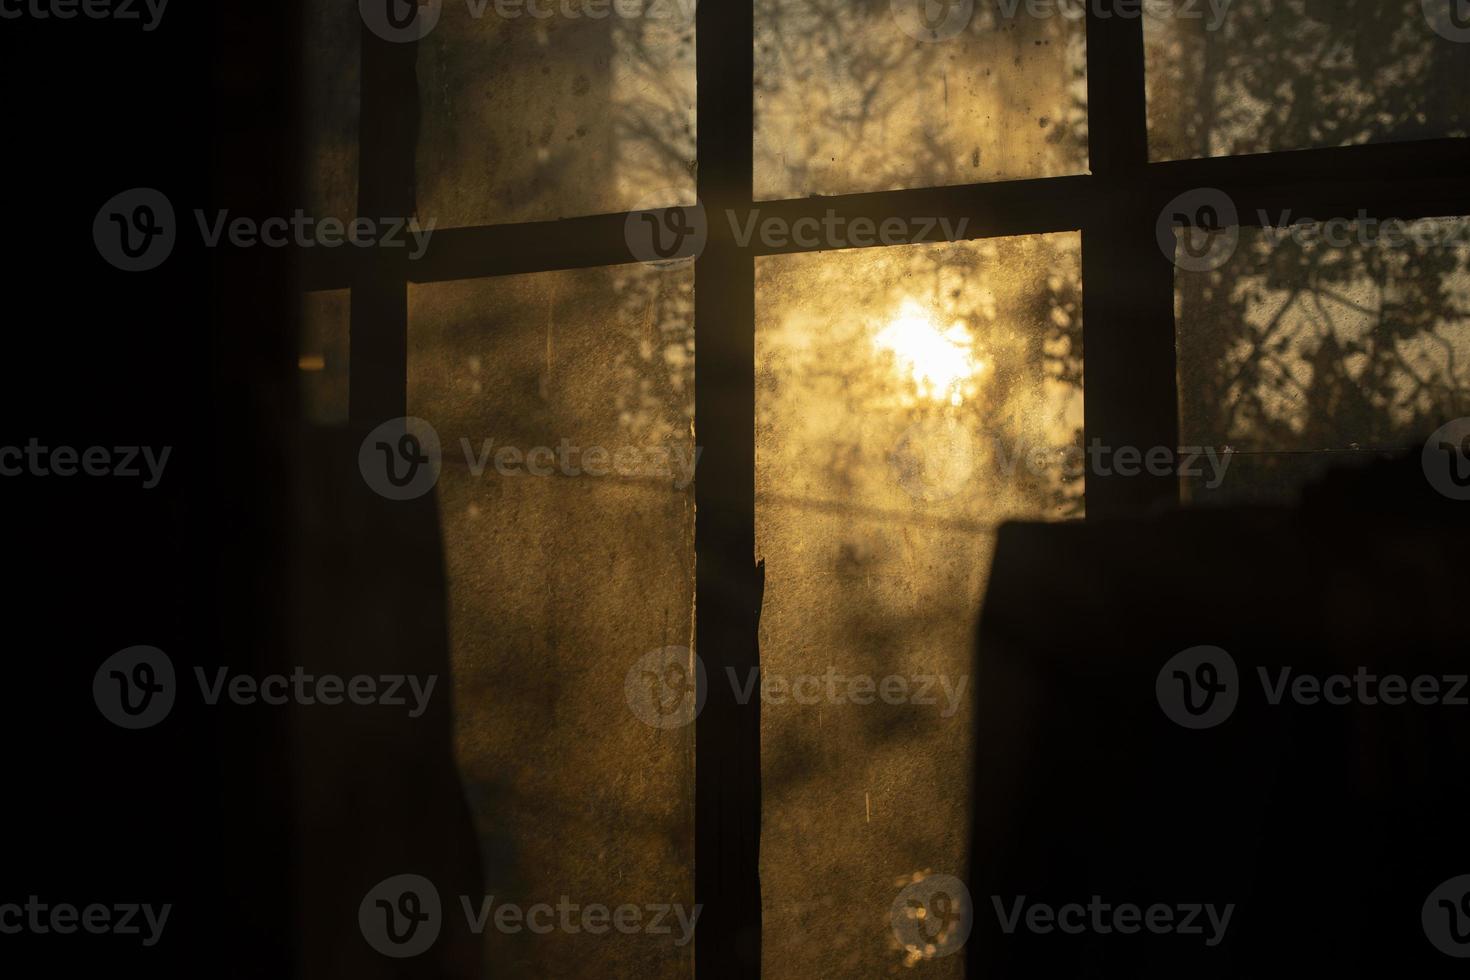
940, 363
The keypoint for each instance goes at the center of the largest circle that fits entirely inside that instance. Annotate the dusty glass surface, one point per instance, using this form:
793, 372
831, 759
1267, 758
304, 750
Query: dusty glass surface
863, 96
908, 400
529, 118
559, 584
1253, 76
323, 357
331, 81
1316, 346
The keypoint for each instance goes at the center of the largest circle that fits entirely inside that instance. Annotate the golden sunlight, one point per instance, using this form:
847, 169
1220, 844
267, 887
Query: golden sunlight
940, 362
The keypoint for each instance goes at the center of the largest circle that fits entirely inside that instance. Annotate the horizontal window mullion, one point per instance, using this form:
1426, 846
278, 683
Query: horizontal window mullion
1396, 180
1400, 180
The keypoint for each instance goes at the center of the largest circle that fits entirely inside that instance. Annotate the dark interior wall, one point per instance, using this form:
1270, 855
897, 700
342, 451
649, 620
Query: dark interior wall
192, 356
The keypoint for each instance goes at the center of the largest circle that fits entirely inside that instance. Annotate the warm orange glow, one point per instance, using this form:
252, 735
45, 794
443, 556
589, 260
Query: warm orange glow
939, 362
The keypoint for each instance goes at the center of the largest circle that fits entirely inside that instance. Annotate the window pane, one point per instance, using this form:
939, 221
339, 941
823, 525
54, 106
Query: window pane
1315, 347
323, 358
530, 118
862, 96
908, 400
559, 583
331, 80
1263, 75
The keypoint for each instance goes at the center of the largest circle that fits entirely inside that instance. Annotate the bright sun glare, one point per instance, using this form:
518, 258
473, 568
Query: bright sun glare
939, 362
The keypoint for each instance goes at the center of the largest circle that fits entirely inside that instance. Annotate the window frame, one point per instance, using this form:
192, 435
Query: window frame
1130, 380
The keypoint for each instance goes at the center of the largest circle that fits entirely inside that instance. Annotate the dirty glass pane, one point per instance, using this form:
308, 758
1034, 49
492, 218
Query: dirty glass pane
884, 94
323, 358
529, 116
1253, 76
908, 400
563, 405
1320, 345
330, 80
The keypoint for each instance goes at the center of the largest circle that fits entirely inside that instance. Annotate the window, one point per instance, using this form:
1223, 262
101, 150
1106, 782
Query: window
1049, 221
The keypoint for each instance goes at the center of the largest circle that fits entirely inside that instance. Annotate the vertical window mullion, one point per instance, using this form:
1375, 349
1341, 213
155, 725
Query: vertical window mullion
387, 138
727, 581
1132, 397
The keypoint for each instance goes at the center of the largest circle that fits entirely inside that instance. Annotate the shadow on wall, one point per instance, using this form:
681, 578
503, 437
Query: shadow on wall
378, 794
